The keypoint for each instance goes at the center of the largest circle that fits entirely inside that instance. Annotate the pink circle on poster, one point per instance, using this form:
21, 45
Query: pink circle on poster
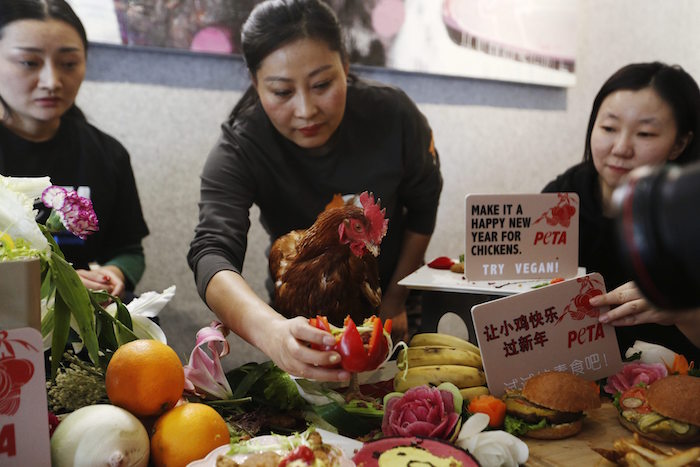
388, 17
213, 39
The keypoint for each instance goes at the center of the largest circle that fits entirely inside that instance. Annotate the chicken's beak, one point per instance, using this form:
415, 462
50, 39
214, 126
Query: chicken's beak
372, 248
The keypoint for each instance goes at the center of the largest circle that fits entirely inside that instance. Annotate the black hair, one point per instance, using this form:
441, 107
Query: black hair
673, 84
16, 10
275, 23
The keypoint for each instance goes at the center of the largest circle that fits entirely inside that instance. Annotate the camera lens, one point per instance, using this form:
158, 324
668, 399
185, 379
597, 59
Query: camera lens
658, 229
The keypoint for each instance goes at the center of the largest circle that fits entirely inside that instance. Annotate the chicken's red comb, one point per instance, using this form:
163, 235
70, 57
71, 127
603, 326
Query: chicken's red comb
377, 223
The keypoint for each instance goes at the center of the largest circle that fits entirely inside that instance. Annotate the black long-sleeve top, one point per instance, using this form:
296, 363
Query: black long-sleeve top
383, 145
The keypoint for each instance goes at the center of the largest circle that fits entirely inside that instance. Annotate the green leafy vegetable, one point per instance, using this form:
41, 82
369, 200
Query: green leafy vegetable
266, 384
518, 427
347, 423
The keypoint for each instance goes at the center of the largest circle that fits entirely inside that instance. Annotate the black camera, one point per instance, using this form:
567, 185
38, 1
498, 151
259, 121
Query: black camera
658, 226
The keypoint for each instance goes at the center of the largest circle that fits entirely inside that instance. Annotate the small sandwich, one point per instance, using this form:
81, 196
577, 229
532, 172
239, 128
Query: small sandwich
551, 405
667, 411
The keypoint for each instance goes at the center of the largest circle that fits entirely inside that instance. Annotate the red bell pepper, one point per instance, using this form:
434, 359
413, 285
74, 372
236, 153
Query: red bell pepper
321, 322
303, 453
441, 262
357, 353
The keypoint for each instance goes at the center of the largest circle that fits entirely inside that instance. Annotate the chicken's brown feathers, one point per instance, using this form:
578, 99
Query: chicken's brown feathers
319, 270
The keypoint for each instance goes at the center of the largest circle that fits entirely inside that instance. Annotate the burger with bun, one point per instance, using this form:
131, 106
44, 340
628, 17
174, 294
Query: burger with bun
551, 405
668, 410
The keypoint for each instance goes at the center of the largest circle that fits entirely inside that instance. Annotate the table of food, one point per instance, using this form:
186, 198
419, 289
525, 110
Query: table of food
425, 403
118, 395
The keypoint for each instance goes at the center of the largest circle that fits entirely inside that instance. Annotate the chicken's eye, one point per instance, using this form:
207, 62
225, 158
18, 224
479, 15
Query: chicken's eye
357, 227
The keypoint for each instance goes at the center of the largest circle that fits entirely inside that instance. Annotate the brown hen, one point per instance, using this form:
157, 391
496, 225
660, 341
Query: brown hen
331, 268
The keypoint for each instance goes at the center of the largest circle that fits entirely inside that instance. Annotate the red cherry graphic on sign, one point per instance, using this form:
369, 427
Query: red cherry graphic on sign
14, 373
561, 213
583, 305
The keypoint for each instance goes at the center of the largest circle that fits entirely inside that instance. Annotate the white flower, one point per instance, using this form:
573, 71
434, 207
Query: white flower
491, 448
17, 215
30, 187
144, 307
148, 305
651, 353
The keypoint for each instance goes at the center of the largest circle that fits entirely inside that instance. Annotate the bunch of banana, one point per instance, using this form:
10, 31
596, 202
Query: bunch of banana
434, 358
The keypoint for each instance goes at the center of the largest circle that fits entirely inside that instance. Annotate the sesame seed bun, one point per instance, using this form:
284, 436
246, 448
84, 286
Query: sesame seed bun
676, 397
561, 391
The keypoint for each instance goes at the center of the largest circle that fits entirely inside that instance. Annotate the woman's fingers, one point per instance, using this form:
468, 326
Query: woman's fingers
117, 286
623, 294
628, 305
94, 280
297, 358
399, 327
321, 374
302, 330
625, 315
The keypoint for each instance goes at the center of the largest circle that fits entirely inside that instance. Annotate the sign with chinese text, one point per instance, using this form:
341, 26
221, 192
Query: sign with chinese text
526, 236
24, 425
553, 328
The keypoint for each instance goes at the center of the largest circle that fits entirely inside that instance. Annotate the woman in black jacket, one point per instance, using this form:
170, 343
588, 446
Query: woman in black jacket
645, 114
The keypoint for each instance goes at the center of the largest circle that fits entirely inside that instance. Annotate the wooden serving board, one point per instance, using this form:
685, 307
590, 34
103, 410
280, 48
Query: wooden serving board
600, 429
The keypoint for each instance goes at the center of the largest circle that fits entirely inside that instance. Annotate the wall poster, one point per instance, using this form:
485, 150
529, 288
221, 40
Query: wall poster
527, 41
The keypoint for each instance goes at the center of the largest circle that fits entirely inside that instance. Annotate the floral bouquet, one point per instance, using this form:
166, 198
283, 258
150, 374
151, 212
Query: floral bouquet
66, 303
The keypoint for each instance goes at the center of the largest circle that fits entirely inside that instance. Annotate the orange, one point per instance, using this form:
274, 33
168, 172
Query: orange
145, 377
187, 433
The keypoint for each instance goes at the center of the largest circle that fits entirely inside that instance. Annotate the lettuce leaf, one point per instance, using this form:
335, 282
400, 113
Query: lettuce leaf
518, 427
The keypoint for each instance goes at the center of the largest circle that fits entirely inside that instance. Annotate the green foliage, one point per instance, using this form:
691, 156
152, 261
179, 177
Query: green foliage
73, 300
266, 384
347, 423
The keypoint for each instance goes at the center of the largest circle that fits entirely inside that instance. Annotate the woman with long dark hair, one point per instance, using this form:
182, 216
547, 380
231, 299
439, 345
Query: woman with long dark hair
43, 52
304, 131
645, 114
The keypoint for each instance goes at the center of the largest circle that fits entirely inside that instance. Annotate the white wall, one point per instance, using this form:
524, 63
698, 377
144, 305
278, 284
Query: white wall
499, 137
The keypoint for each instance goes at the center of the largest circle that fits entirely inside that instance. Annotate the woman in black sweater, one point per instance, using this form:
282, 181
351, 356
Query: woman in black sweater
645, 114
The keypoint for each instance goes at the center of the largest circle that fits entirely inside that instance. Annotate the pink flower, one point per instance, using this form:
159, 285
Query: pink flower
421, 411
204, 375
633, 374
74, 211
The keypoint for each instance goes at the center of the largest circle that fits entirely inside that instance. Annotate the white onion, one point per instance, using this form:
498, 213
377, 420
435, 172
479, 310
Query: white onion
100, 435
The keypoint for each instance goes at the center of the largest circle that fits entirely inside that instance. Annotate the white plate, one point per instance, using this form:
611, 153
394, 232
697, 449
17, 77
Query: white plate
444, 280
348, 445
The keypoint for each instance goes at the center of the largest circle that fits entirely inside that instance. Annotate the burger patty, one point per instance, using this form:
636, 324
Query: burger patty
522, 408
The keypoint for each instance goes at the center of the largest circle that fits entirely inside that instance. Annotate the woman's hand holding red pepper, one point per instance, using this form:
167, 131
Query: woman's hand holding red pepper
357, 354
291, 347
